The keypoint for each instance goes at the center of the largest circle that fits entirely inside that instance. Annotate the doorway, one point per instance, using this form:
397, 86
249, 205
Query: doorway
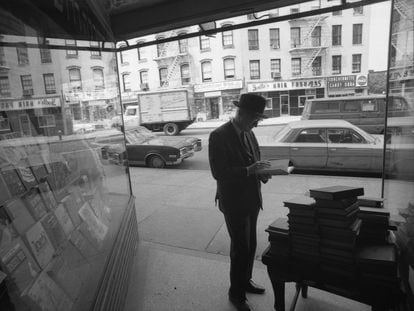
25, 125
213, 106
284, 105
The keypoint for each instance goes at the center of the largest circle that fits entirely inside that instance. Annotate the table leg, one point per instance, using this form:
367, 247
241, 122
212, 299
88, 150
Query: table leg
279, 291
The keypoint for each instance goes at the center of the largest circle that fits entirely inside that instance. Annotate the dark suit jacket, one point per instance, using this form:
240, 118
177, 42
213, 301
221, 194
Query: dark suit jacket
237, 193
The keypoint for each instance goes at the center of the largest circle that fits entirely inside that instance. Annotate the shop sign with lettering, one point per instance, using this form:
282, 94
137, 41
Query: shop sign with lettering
285, 85
217, 86
32, 103
399, 74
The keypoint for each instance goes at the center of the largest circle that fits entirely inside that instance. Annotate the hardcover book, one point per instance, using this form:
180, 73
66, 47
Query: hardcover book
301, 220
374, 211
340, 204
338, 211
40, 245
277, 167
383, 255
351, 214
64, 219
371, 201
280, 224
350, 232
17, 262
35, 204
19, 215
337, 223
303, 202
336, 192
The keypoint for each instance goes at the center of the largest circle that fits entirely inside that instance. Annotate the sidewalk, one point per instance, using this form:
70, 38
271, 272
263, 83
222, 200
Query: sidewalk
270, 121
182, 261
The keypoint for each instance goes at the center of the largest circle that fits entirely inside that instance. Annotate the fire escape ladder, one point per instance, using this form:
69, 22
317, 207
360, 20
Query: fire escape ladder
171, 69
315, 54
402, 8
310, 31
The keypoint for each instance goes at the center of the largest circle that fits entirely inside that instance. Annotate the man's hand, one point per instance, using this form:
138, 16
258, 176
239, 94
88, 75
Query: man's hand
257, 166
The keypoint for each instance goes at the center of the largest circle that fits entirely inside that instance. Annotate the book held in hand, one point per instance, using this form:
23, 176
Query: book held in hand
277, 167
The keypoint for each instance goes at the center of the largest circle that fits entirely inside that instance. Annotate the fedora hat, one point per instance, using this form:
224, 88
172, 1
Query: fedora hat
252, 103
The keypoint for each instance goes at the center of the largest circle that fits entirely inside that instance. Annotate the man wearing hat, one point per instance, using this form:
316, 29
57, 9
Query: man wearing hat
235, 163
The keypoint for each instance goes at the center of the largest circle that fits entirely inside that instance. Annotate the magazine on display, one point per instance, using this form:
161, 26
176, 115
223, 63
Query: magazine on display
19, 215
40, 244
277, 167
64, 219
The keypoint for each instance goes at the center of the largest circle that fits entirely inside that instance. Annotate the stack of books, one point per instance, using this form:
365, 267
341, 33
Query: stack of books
303, 229
279, 240
339, 225
375, 223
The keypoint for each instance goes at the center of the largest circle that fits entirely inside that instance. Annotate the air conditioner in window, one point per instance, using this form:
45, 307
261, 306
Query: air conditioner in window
27, 92
144, 86
275, 75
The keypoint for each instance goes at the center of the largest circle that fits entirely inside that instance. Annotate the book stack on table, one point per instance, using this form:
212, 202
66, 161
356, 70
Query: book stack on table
303, 229
339, 225
279, 240
375, 220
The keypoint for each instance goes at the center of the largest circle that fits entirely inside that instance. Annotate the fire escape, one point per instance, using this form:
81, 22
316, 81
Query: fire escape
311, 47
171, 55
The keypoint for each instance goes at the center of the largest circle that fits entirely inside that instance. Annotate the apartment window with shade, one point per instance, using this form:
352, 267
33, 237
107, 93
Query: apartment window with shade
229, 68
336, 34
183, 45
206, 72
356, 63
359, 10
204, 43
49, 80
141, 52
185, 74
227, 37
126, 82
336, 64
275, 68
5, 86
253, 37
316, 36
70, 52
123, 55
296, 66
98, 79
274, 35
95, 53
75, 79
317, 66
254, 66
357, 34
27, 85
295, 37
22, 55
143, 76
163, 72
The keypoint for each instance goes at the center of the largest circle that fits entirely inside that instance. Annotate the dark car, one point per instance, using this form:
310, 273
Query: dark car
146, 148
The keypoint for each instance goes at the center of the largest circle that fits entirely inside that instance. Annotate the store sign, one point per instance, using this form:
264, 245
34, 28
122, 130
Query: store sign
285, 85
33, 103
399, 74
346, 82
217, 86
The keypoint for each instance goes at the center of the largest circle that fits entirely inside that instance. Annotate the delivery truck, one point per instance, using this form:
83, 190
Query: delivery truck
170, 111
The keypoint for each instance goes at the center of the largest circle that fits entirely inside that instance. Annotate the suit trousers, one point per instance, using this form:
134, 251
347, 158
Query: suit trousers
243, 242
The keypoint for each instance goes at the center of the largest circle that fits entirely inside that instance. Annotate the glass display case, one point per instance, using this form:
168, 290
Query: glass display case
67, 216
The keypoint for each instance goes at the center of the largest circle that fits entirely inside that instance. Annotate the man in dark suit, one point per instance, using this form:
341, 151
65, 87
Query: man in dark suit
235, 164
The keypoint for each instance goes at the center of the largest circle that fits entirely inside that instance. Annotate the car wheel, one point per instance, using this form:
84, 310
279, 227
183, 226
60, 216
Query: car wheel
156, 162
171, 129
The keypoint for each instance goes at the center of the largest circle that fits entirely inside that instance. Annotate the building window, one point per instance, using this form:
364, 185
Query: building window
75, 79
47, 121
71, 53
275, 68
253, 35
4, 86
98, 79
161, 48
143, 76
254, 69
356, 62
2, 56
204, 43
126, 82
359, 10
274, 36
123, 55
357, 34
49, 80
27, 85
206, 73
22, 55
163, 73
296, 67
336, 34
45, 54
229, 68
185, 74
183, 45
141, 52
4, 122
294, 10
336, 64
95, 53
227, 37
316, 36
295, 37
317, 66
337, 13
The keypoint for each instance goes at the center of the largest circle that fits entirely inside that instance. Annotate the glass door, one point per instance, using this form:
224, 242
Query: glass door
284, 105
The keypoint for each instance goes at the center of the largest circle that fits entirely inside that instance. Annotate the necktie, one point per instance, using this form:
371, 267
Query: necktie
246, 143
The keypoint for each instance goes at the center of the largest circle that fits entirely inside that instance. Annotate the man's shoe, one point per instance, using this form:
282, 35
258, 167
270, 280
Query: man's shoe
253, 288
240, 305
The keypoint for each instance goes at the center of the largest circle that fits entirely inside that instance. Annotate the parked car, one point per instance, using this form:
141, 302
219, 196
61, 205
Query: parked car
146, 148
336, 145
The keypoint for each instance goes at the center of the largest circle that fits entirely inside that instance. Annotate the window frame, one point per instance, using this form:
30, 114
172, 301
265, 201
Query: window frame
5, 89
22, 55
316, 36
335, 70
317, 70
163, 75
72, 81
95, 54
101, 85
204, 39
356, 61
253, 39
226, 68
276, 65
71, 53
126, 82
141, 74
357, 30
295, 73
27, 85
47, 84
295, 41
205, 78
336, 35
227, 38
274, 38
183, 77
254, 70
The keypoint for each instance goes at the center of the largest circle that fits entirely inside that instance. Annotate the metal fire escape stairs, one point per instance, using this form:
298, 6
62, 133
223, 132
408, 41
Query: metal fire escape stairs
406, 12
